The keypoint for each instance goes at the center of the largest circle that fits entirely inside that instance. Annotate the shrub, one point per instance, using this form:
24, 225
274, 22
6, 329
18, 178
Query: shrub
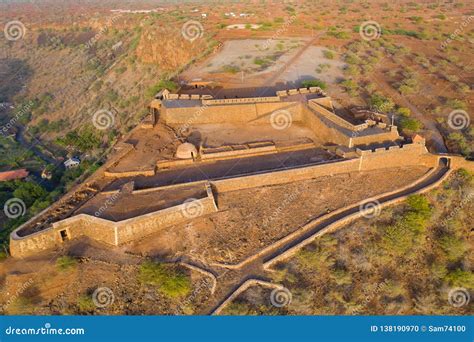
403, 111
232, 69
65, 262
456, 104
328, 54
381, 103
453, 247
420, 205
170, 280
163, 84
460, 278
350, 86
85, 303
410, 124
314, 83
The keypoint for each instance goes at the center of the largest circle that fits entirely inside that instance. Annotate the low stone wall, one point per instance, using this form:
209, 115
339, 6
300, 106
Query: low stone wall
109, 232
236, 151
386, 135
345, 220
138, 227
284, 93
334, 129
242, 288
123, 174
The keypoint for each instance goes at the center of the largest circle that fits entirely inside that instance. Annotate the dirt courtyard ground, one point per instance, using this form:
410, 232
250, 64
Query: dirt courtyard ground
258, 62
252, 219
215, 135
314, 64
244, 57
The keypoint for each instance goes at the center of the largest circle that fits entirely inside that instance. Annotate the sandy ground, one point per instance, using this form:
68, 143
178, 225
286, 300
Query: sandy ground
241, 54
150, 145
250, 220
44, 289
306, 67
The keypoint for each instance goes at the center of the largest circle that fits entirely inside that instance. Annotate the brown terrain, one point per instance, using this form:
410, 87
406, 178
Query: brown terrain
77, 59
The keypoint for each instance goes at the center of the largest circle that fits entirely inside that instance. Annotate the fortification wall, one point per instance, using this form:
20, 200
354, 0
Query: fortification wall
335, 118
109, 232
286, 176
390, 135
410, 154
116, 233
241, 100
324, 129
138, 227
255, 113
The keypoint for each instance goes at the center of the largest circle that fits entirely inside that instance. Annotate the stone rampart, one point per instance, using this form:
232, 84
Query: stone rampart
249, 113
109, 232
335, 118
116, 233
244, 100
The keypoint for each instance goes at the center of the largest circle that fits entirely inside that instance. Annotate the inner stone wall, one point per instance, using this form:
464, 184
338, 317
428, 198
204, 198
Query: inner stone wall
249, 113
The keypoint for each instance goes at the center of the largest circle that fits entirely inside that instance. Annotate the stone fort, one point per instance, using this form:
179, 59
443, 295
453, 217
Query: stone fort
119, 204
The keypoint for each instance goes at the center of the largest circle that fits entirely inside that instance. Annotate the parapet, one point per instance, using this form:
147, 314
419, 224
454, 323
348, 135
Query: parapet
296, 91
394, 148
241, 100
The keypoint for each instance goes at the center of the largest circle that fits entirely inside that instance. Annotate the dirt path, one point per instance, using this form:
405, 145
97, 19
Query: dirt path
229, 280
434, 136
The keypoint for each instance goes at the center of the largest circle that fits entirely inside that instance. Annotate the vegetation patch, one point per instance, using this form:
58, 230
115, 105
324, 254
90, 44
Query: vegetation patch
169, 279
